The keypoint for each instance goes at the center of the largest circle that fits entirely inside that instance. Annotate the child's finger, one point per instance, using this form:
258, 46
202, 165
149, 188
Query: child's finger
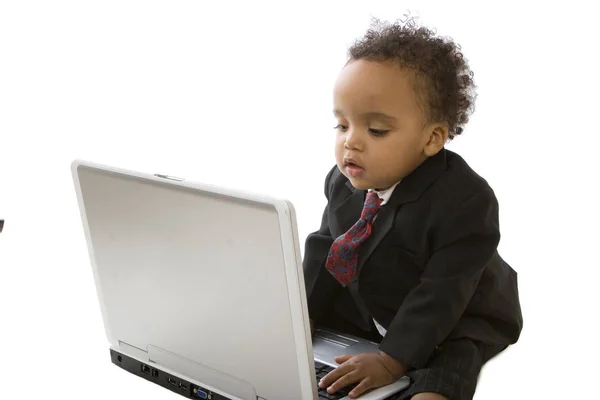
343, 359
348, 379
362, 387
334, 375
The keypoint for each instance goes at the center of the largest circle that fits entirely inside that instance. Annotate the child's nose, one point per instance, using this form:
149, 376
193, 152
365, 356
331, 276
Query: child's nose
352, 140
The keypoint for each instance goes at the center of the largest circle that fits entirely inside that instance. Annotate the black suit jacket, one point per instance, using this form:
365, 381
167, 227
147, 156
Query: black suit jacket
430, 269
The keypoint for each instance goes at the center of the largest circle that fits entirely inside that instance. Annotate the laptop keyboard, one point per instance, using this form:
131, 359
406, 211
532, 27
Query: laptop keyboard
322, 370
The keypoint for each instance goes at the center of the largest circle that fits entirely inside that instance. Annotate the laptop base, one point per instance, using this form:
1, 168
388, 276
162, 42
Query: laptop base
161, 378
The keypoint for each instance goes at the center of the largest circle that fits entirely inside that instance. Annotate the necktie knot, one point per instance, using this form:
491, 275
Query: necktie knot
372, 203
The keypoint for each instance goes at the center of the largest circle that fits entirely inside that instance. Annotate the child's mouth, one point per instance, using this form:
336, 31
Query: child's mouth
354, 170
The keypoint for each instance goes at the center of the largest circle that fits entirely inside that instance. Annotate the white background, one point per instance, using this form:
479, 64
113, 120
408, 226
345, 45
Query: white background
240, 95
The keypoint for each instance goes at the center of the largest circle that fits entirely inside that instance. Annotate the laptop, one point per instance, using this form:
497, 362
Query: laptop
201, 288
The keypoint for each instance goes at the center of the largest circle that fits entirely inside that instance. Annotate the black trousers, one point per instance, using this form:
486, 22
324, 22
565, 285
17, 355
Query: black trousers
452, 371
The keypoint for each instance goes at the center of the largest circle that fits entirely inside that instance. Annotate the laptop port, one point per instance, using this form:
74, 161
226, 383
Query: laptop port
183, 386
145, 369
172, 381
200, 393
154, 372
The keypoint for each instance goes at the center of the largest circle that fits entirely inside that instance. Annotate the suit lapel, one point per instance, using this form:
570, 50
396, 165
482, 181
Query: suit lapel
407, 191
348, 212
382, 225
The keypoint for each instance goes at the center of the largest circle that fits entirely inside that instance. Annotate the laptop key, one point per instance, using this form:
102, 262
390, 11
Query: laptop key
335, 396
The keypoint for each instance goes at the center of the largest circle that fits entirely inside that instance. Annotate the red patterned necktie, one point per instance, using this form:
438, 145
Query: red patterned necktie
342, 259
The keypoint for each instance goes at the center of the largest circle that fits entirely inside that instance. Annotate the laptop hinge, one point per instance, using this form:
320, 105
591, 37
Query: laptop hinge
133, 351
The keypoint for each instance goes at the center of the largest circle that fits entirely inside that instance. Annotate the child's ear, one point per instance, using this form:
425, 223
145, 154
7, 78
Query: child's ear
438, 136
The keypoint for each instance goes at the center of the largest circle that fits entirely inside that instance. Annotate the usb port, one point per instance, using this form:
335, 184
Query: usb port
183, 386
172, 381
154, 372
145, 369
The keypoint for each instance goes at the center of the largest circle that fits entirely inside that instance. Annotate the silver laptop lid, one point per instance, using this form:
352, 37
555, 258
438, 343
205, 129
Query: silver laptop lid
206, 281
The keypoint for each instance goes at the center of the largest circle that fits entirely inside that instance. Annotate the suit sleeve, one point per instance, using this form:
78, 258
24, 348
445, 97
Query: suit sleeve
462, 247
321, 287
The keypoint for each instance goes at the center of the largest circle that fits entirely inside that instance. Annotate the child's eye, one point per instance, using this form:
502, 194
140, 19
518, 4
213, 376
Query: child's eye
378, 132
340, 128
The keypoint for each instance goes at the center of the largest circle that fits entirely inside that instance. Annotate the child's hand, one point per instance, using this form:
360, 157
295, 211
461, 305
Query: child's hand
369, 370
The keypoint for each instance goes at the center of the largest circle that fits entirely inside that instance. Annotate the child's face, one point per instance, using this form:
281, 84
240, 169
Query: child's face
382, 134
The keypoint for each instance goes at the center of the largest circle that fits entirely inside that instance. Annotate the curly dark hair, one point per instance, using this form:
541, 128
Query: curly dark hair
443, 82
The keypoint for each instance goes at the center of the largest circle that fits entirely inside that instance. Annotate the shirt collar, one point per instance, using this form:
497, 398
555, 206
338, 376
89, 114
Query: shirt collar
385, 194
